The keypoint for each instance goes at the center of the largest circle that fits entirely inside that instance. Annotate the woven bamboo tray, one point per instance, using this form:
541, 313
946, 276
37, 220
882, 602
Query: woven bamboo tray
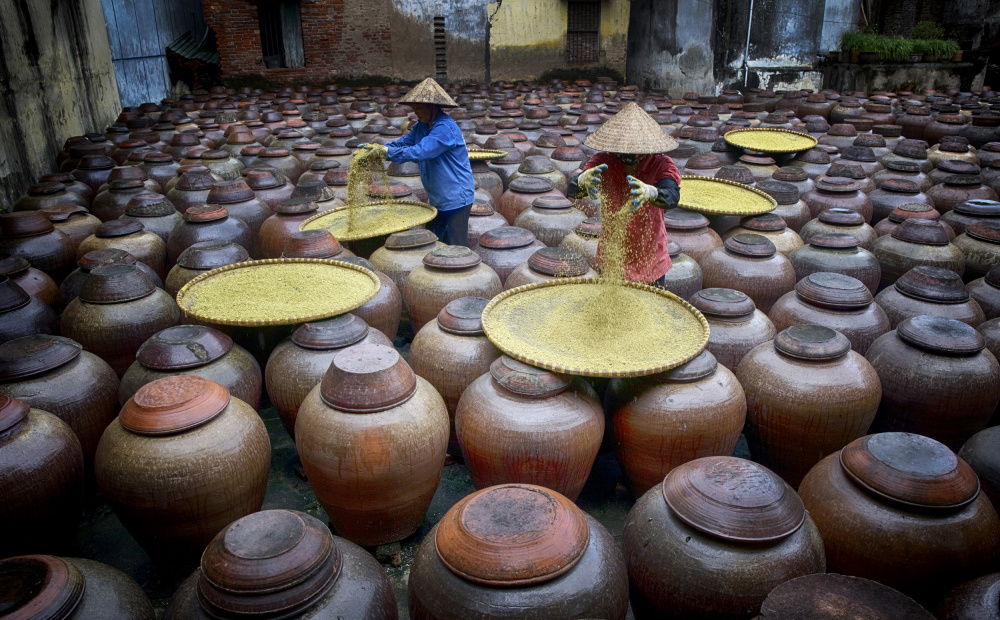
485, 154
373, 219
548, 325
721, 197
770, 140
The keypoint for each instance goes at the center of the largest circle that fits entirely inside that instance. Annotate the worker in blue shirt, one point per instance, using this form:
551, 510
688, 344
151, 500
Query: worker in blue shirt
437, 145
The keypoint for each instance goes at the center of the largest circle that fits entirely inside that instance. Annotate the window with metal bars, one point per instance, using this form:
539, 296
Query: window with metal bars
280, 23
583, 32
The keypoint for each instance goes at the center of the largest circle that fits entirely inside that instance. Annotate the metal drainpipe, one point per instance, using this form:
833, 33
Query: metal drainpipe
746, 52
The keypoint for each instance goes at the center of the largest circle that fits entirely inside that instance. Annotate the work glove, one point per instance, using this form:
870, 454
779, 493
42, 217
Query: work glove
366, 150
590, 180
640, 193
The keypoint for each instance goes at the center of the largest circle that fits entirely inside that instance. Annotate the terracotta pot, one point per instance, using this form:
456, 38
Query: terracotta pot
201, 257
959, 188
714, 538
46, 586
903, 171
521, 424
192, 189
22, 314
690, 231
836, 253
584, 239
932, 291
840, 222
118, 309
31, 236
903, 510
793, 211
914, 243
771, 226
129, 235
986, 292
34, 282
915, 211
838, 192
75, 187
369, 399
70, 287
181, 462
239, 201
73, 220
538, 167
980, 246
736, 326
155, 212
895, 193
978, 599
815, 162
446, 274
402, 253
41, 479
110, 203
828, 596
665, 420
482, 219
207, 223
522, 193
50, 194
93, 170
914, 121
479, 562
283, 561
506, 248
549, 219
749, 263
269, 185
277, 229
980, 452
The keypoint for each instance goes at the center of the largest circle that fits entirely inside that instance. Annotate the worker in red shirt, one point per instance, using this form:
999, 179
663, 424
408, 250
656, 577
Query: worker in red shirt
632, 172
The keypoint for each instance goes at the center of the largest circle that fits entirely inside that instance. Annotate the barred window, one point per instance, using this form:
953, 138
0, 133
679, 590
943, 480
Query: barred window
582, 32
280, 25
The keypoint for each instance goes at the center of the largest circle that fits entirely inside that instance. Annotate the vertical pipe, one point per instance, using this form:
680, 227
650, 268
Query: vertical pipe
746, 51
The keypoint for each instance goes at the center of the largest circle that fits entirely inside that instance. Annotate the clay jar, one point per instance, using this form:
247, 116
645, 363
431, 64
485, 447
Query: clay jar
909, 211
838, 192
749, 263
239, 201
32, 281
372, 437
73, 220
70, 287
836, 253
986, 292
155, 212
207, 223
384, 311
447, 273
841, 222
736, 326
298, 364
182, 461
915, 243
41, 480
903, 171
521, 193
550, 219
808, 395
117, 310
584, 239
833, 300
71, 588
452, 351
537, 167
22, 314
483, 218
690, 231
521, 424
903, 510
790, 209
911, 362
894, 193
770, 226
978, 599
714, 538
283, 562
506, 248
929, 290
958, 188
515, 551
30, 235
269, 185
201, 257
110, 204
278, 228
967, 213
548, 264
403, 252
42, 195
129, 235
663, 421
684, 278
828, 596
980, 245
980, 452
192, 189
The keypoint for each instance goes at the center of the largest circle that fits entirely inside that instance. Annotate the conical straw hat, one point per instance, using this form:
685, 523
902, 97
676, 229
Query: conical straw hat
631, 131
429, 91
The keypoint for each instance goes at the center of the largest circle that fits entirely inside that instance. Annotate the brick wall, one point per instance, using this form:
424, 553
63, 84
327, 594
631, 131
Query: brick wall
339, 37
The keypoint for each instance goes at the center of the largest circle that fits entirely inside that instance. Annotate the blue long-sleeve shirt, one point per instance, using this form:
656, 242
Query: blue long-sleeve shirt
440, 151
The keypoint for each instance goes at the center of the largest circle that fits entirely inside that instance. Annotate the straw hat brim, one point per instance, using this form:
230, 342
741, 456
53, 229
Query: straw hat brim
429, 91
631, 131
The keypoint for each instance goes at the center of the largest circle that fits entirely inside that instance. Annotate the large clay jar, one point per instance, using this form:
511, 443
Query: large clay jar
790, 209
192, 189
373, 437
70, 287
384, 311
42, 195
911, 362
41, 480
948, 167
584, 239
836, 301
518, 551
549, 263
684, 278
283, 563
483, 218
841, 222
663, 421
982, 454
714, 539
828, 596
447, 273
690, 231
736, 326
771, 226
118, 309
978, 599
915, 243
239, 201
129, 235
909, 211
932, 291
808, 395
201, 257
967, 213
980, 245
73, 220
23, 315
903, 510
550, 219
506, 248
986, 292
278, 228
298, 364
836, 253
903, 171
34, 282
46, 586
838, 192
110, 204
403, 252
894, 193
269, 185
538, 167
521, 193
958, 188
207, 223
521, 424
31, 235
155, 212
749, 263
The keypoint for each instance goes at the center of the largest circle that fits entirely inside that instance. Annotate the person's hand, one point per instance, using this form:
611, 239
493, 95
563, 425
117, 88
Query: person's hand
590, 180
366, 150
640, 192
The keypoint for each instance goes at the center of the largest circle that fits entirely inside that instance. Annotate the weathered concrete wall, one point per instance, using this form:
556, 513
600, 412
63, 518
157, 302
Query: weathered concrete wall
840, 16
57, 81
905, 76
412, 24
670, 45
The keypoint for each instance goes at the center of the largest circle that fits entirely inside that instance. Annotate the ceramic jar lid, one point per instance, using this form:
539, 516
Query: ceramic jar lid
119, 228
783, 193
812, 343
900, 186
531, 184
838, 185
750, 245
703, 365
409, 239
733, 499
24, 224
367, 378
933, 284
40, 586
833, 290
964, 180
105, 256
149, 205
942, 335
738, 174
205, 213
453, 257
114, 284
270, 564
552, 203
833, 241
32, 355
978, 207
479, 209
13, 266
590, 227
206, 255
172, 405
910, 469
527, 381
558, 262
903, 166
506, 238
61, 213
12, 296
673, 250
768, 222
262, 178
985, 231
195, 181
512, 535
183, 346
958, 166
913, 211
830, 596
463, 316
723, 302
12, 411
536, 164
841, 217
340, 331
315, 243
